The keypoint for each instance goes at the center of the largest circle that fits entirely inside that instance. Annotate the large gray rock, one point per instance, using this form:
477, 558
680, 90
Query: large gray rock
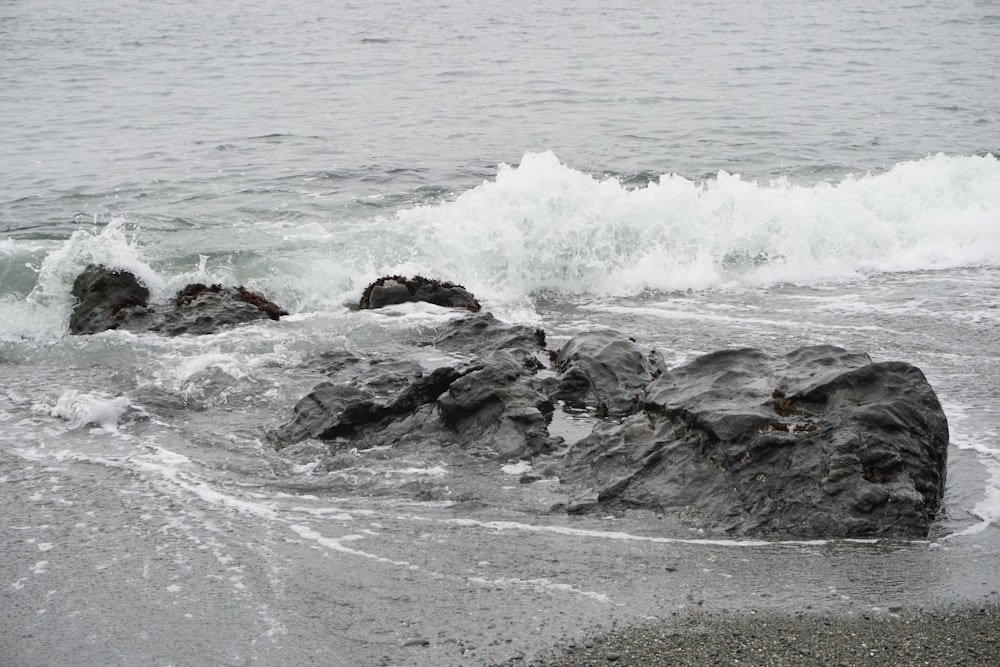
205, 313
106, 299
343, 411
392, 290
606, 370
817, 442
490, 406
498, 408
111, 299
481, 333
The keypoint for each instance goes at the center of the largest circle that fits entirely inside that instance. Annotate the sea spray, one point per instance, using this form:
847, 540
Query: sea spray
545, 226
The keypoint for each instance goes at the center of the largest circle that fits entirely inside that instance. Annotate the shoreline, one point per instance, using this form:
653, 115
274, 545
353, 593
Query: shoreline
959, 635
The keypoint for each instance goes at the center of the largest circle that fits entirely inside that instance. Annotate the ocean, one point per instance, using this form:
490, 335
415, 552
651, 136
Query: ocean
698, 176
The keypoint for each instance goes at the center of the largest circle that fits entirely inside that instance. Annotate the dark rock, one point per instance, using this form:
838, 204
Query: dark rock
392, 290
483, 333
332, 411
607, 370
106, 299
197, 291
818, 442
208, 312
490, 406
497, 410
363, 395
418, 641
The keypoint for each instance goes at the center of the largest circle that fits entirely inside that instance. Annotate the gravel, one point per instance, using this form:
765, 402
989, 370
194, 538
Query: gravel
961, 636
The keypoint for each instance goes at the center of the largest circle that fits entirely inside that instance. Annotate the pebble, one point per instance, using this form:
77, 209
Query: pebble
935, 638
417, 641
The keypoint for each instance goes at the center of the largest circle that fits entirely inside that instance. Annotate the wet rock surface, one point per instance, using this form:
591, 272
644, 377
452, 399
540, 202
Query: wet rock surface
490, 402
393, 290
606, 369
106, 299
818, 442
110, 299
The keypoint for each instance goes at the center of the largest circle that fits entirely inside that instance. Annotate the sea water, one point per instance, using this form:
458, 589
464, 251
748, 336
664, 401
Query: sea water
697, 176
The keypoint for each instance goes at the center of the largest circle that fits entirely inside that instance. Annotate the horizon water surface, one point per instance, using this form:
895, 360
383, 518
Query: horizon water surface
698, 176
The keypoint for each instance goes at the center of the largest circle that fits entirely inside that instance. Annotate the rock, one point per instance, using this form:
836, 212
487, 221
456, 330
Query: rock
497, 410
195, 292
207, 313
482, 333
417, 641
606, 370
329, 411
818, 442
332, 411
108, 299
392, 290
492, 406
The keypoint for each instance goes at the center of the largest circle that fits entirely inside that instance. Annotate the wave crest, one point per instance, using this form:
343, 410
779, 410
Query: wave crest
543, 225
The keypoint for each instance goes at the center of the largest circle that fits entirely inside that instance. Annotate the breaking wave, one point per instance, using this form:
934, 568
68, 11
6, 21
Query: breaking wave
543, 225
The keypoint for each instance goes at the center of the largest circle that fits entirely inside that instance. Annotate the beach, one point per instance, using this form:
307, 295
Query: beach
697, 177
896, 638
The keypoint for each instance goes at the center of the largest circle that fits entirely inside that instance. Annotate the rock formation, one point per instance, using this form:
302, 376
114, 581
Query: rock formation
106, 299
819, 442
392, 290
816, 442
110, 299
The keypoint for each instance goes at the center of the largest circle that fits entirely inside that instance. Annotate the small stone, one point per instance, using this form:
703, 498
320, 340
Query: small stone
416, 641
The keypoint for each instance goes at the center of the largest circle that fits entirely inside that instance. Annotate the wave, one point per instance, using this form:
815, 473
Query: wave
545, 226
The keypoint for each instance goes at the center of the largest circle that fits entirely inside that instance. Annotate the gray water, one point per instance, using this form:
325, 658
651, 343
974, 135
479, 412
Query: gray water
699, 176
184, 99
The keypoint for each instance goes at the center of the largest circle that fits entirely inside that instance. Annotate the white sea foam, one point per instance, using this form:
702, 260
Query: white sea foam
617, 535
166, 466
42, 314
337, 544
518, 468
212, 368
332, 513
434, 471
110, 245
82, 409
544, 225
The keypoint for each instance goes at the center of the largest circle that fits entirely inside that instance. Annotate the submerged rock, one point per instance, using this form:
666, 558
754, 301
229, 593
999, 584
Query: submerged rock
109, 299
392, 290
